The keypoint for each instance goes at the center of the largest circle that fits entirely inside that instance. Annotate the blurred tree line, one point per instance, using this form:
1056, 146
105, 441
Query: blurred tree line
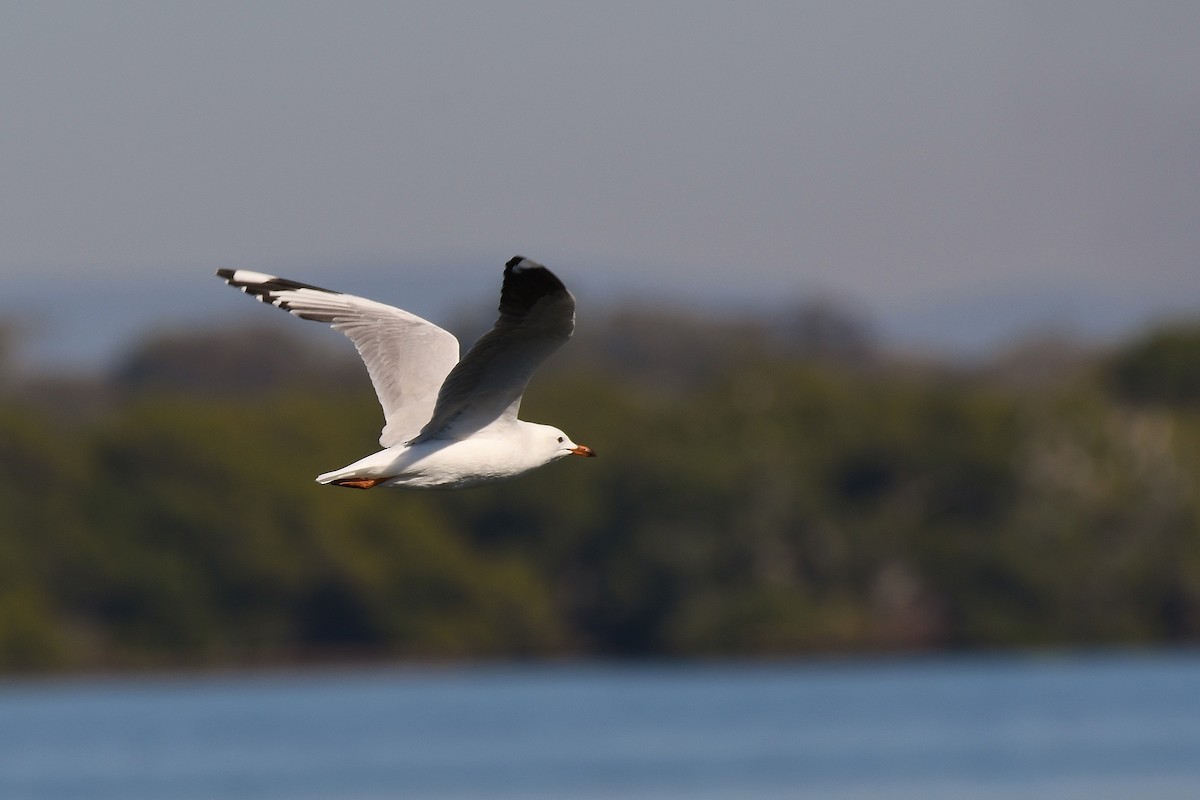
765, 487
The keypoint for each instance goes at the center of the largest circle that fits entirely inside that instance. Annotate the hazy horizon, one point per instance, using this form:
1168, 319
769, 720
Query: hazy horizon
963, 172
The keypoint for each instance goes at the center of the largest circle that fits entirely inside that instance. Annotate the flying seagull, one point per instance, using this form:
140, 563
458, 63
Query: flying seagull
447, 423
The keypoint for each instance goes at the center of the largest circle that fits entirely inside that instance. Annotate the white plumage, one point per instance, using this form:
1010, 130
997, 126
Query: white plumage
447, 423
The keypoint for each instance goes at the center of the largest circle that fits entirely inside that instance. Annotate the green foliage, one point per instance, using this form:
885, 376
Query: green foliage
757, 502
1163, 367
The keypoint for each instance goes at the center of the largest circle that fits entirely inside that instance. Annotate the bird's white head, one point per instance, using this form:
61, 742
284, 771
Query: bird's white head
558, 444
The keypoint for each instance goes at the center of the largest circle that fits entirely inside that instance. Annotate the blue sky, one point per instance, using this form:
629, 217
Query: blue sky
959, 170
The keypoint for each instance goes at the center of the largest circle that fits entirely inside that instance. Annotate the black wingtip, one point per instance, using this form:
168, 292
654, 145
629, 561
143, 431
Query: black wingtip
260, 284
525, 283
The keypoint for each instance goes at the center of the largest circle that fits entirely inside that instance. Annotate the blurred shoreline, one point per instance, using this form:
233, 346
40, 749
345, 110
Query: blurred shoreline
782, 487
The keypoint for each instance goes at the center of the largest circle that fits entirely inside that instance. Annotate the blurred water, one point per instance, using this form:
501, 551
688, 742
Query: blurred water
1082, 727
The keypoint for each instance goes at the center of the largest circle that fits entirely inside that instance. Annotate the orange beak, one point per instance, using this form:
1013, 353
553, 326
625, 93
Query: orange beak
584, 450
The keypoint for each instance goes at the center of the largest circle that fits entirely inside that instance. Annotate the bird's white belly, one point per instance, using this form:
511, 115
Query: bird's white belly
440, 464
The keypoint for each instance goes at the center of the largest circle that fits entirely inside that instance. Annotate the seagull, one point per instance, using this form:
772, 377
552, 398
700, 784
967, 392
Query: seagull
448, 424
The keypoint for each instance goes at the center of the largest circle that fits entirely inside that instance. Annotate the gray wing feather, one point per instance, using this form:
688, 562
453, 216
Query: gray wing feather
537, 315
406, 356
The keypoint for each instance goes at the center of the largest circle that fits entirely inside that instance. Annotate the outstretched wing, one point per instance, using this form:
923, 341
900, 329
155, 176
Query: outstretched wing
407, 357
537, 314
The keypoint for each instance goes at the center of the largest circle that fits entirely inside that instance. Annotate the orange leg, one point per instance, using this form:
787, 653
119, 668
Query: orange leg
360, 483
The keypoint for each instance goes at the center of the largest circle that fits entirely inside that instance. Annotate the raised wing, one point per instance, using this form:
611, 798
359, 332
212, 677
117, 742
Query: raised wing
407, 357
537, 314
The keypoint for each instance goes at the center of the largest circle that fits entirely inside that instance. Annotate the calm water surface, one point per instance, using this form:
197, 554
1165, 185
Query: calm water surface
1065, 727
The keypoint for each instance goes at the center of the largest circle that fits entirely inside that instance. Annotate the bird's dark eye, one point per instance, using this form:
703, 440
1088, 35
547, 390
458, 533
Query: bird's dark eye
560, 440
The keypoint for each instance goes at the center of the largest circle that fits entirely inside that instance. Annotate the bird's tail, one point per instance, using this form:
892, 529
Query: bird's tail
362, 474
